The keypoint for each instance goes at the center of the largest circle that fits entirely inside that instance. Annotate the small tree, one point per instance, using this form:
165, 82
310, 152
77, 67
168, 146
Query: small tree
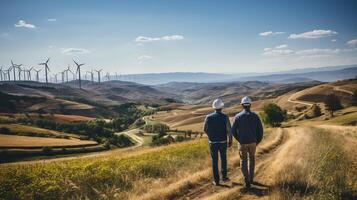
332, 103
316, 110
273, 115
354, 98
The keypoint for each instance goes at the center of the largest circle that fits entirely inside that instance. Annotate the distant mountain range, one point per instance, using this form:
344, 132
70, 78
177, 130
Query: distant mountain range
326, 74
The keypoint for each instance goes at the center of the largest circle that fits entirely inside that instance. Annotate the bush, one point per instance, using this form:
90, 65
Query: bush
47, 150
316, 110
156, 128
4, 130
354, 98
273, 115
160, 141
180, 138
332, 103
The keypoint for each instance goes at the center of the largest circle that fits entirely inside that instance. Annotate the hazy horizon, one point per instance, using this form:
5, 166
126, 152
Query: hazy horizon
140, 37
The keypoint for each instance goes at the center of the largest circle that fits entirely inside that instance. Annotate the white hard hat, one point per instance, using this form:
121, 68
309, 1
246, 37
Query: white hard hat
246, 100
217, 104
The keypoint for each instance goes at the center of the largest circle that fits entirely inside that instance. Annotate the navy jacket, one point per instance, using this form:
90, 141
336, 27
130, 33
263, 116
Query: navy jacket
217, 127
247, 128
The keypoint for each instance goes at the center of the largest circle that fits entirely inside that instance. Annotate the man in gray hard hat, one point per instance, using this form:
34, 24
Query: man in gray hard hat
248, 130
218, 129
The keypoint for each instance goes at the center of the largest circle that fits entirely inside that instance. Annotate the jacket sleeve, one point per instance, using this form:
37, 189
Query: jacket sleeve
234, 129
205, 126
228, 129
259, 130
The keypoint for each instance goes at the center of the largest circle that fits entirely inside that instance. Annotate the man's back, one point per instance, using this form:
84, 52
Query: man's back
247, 127
216, 127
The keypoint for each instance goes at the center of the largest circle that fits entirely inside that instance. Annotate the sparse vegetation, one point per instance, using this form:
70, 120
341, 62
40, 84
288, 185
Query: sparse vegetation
326, 172
332, 103
316, 110
354, 98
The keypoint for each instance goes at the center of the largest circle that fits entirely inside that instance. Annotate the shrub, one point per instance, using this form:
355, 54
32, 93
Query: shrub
316, 110
47, 150
273, 115
332, 103
180, 138
5, 130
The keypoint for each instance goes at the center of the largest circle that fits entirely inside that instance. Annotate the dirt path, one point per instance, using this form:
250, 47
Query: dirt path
199, 186
297, 101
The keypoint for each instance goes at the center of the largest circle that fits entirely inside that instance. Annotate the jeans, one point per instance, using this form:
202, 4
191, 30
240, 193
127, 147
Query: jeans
222, 149
247, 151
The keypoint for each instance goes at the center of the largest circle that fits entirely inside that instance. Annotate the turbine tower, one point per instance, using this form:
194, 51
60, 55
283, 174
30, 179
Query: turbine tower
19, 70
79, 72
107, 76
67, 73
1, 78
13, 69
37, 77
98, 71
62, 74
47, 69
29, 74
91, 75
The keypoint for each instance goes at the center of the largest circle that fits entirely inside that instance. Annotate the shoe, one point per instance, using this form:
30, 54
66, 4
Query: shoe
247, 185
215, 183
225, 179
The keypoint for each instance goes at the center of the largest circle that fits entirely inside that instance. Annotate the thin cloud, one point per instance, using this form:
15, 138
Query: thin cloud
143, 58
23, 24
74, 51
306, 52
333, 40
352, 43
269, 33
283, 46
144, 39
52, 20
313, 34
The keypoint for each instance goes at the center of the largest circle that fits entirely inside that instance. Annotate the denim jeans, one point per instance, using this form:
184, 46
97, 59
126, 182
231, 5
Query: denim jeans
247, 153
222, 149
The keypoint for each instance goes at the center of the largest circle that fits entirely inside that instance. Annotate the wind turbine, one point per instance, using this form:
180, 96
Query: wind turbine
37, 77
91, 75
62, 74
1, 74
107, 76
19, 70
47, 69
79, 72
8, 73
55, 75
98, 71
29, 74
13, 69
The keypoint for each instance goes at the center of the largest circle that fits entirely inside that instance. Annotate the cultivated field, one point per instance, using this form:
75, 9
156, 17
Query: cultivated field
14, 141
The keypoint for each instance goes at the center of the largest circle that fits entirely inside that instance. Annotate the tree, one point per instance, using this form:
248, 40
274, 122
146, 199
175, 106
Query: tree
316, 110
354, 98
332, 103
273, 115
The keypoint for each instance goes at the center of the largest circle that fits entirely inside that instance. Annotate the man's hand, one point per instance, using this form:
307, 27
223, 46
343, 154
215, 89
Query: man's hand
229, 143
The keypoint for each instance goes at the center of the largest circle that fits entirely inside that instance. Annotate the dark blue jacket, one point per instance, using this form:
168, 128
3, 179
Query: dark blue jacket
217, 127
247, 128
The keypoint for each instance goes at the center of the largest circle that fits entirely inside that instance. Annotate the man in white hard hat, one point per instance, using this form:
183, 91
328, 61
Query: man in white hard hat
218, 129
248, 130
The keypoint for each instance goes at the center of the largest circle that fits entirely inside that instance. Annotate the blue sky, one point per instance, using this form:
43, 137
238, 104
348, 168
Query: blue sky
188, 35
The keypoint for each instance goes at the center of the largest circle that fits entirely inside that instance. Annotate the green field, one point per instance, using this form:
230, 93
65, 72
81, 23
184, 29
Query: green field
97, 177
